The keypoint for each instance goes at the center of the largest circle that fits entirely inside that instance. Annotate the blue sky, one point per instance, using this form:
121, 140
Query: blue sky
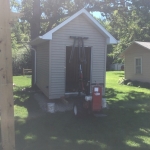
97, 14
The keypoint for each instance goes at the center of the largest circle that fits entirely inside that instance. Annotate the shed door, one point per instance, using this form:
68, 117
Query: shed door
72, 69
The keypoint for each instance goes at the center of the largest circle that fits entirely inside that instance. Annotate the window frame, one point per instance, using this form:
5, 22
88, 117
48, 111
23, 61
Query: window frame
135, 65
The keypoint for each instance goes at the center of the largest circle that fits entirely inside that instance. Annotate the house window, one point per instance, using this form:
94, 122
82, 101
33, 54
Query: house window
138, 65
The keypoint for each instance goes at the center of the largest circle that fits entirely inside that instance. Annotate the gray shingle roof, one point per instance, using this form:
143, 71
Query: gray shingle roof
143, 44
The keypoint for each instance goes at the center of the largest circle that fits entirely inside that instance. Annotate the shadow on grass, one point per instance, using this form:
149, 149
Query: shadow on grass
24, 97
119, 74
126, 127
111, 93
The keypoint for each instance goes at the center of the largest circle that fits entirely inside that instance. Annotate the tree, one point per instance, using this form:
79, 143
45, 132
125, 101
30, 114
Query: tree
128, 24
20, 38
127, 20
20, 48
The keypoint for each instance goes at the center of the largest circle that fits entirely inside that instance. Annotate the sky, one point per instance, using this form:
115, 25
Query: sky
97, 14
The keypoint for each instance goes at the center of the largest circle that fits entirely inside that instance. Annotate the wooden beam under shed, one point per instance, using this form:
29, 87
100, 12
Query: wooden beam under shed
6, 88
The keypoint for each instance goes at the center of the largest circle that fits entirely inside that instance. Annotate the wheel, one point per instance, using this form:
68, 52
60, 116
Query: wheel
78, 109
75, 111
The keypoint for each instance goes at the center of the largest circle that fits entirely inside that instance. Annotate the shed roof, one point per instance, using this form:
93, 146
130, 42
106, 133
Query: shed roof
142, 44
48, 35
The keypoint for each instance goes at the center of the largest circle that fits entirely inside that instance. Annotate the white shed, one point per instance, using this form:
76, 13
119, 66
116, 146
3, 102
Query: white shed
116, 66
55, 76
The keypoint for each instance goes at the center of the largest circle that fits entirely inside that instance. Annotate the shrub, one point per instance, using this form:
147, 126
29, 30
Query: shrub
21, 59
130, 84
123, 81
135, 83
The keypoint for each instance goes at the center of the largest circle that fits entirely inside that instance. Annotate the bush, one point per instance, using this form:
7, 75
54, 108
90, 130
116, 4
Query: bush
130, 84
123, 81
135, 83
21, 59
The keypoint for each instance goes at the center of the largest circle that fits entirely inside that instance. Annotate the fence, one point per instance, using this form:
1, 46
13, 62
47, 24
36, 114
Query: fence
27, 71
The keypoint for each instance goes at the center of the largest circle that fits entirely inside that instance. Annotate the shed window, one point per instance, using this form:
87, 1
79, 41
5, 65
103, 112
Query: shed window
138, 65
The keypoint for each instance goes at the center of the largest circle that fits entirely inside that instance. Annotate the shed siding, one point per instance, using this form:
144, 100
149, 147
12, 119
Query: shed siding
137, 51
61, 38
42, 67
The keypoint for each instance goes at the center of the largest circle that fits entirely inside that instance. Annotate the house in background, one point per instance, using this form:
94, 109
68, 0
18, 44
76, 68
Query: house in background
55, 76
137, 61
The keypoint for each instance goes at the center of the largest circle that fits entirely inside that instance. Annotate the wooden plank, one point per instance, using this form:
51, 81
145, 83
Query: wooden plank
7, 117
6, 88
27, 71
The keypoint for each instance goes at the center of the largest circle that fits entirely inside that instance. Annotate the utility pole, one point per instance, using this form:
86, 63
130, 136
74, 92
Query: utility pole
6, 86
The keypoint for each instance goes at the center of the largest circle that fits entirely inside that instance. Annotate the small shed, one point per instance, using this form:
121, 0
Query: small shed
116, 66
137, 61
55, 76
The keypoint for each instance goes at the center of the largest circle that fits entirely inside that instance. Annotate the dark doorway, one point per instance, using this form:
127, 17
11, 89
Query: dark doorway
72, 68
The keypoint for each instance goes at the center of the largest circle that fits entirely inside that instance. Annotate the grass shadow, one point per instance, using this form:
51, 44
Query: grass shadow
126, 127
24, 98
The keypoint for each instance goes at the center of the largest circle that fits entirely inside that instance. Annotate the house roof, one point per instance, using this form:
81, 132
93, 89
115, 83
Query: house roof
143, 44
49, 35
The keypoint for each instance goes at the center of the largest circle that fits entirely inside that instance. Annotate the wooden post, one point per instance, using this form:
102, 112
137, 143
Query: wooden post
6, 88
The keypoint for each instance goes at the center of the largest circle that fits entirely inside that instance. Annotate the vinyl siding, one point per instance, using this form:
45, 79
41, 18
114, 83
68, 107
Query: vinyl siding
61, 38
137, 51
42, 68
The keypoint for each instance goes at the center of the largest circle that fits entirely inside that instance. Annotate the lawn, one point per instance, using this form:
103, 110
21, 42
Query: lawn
126, 127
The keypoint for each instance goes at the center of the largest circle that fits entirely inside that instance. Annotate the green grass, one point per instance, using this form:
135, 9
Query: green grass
22, 81
122, 91
21, 96
126, 96
126, 127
